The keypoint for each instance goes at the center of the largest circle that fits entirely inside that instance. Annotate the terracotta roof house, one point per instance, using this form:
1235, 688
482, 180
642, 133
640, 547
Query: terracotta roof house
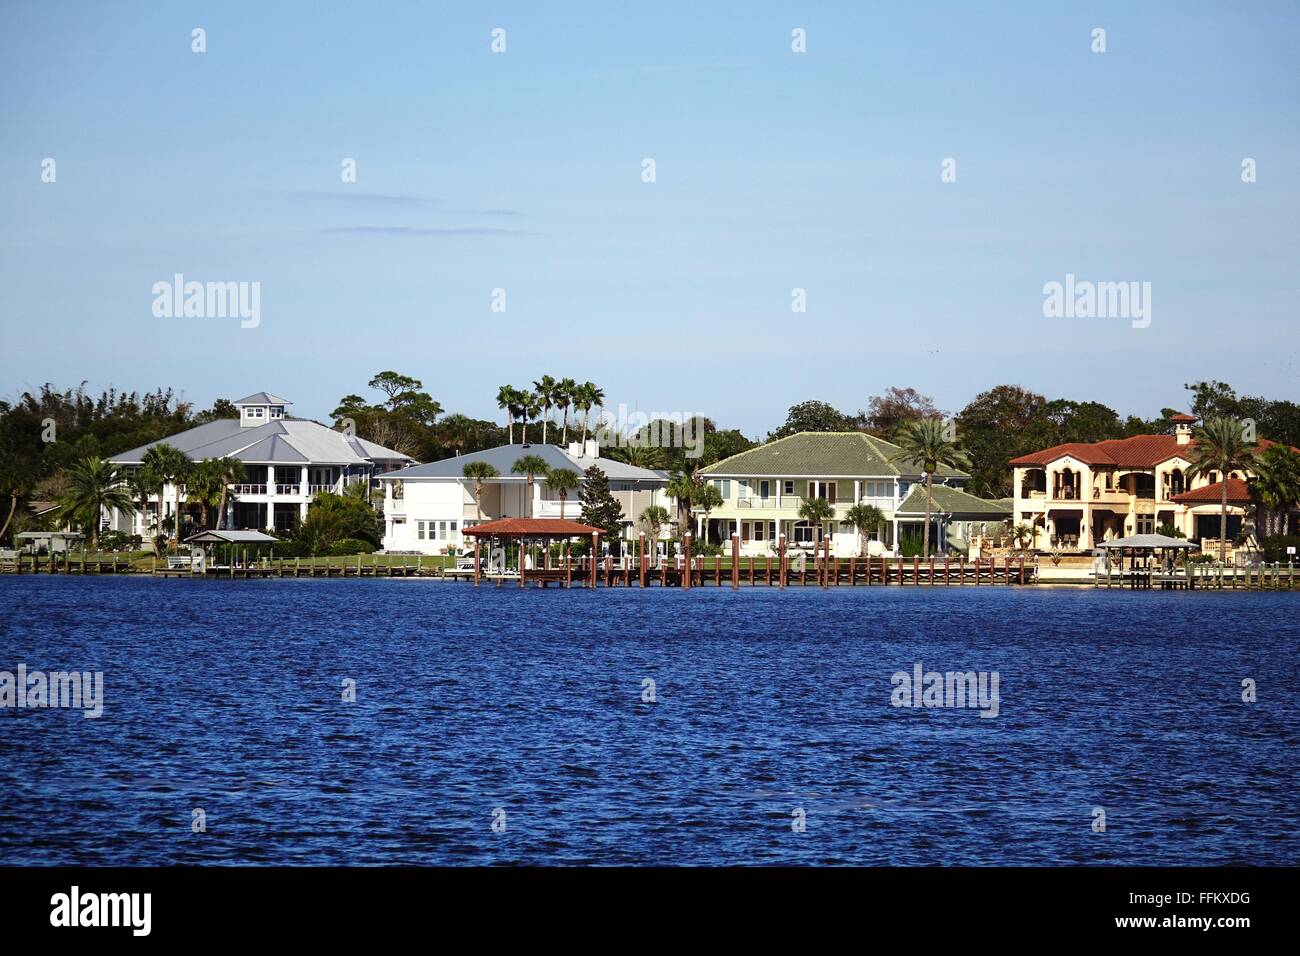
1076, 495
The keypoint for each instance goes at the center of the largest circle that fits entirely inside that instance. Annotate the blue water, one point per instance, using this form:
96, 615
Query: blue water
226, 696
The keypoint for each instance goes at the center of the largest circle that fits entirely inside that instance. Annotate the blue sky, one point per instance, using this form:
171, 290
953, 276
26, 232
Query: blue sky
775, 170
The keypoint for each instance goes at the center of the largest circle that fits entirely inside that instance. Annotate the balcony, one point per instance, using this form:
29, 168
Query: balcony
248, 489
294, 490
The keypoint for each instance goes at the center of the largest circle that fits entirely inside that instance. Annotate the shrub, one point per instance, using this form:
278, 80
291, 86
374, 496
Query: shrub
1275, 548
349, 546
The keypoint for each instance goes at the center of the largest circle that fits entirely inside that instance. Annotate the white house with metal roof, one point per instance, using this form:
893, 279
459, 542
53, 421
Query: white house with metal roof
286, 462
427, 507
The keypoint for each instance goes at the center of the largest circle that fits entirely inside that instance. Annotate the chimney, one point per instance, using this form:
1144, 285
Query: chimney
575, 449
1183, 428
592, 448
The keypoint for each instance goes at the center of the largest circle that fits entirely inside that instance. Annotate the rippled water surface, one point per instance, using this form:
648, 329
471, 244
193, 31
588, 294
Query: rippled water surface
226, 696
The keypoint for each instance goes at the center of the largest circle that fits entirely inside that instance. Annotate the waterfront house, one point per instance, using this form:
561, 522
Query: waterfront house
428, 507
1078, 494
763, 489
286, 462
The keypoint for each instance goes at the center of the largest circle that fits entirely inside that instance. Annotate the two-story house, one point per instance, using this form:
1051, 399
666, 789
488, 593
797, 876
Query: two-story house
763, 489
427, 507
286, 462
1076, 495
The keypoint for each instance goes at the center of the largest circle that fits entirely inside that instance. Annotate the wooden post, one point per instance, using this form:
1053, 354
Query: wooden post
594, 546
916, 569
826, 562
781, 571
477, 543
688, 570
642, 556
946, 579
735, 561
523, 546
751, 570
931, 581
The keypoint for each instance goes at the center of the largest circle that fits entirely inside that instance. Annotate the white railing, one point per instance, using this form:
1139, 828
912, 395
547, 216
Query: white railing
551, 509
288, 489
248, 489
315, 489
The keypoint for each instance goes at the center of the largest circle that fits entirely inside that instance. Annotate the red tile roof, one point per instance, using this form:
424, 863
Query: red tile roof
1139, 451
1238, 493
532, 527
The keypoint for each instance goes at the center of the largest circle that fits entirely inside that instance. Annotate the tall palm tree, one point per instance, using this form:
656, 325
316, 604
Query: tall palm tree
168, 465
530, 466
507, 402
1218, 446
642, 456
926, 446
589, 396
530, 406
865, 519
94, 485
479, 472
706, 497
205, 487
562, 481
680, 488
1277, 486
142, 484
546, 390
816, 511
230, 471
565, 393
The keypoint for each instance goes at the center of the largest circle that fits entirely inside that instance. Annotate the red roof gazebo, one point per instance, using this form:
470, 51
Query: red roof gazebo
532, 529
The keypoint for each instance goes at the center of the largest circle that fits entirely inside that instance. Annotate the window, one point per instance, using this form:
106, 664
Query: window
804, 533
765, 489
277, 411
255, 412
419, 530
788, 488
760, 530
724, 487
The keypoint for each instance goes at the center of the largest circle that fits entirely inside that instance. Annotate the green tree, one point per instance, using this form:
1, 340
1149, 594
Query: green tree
865, 519
927, 444
332, 518
653, 520
706, 497
589, 396
1277, 486
680, 488
479, 472
546, 389
1219, 446
600, 508
813, 417
816, 511
508, 401
562, 481
205, 487
167, 465
565, 394
530, 466
94, 486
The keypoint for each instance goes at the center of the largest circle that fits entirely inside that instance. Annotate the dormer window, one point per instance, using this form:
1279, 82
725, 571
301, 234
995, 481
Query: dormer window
277, 411
256, 412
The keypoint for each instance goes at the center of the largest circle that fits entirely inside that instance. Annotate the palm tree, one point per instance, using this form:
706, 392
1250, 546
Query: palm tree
142, 484
680, 488
706, 497
168, 465
547, 389
1023, 536
642, 456
816, 511
565, 393
562, 481
653, 519
925, 445
1218, 446
589, 396
204, 487
479, 472
94, 485
530, 406
230, 471
506, 401
1277, 486
530, 466
864, 518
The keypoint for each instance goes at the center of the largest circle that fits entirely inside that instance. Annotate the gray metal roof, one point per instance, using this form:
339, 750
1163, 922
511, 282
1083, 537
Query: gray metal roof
290, 441
503, 457
262, 398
